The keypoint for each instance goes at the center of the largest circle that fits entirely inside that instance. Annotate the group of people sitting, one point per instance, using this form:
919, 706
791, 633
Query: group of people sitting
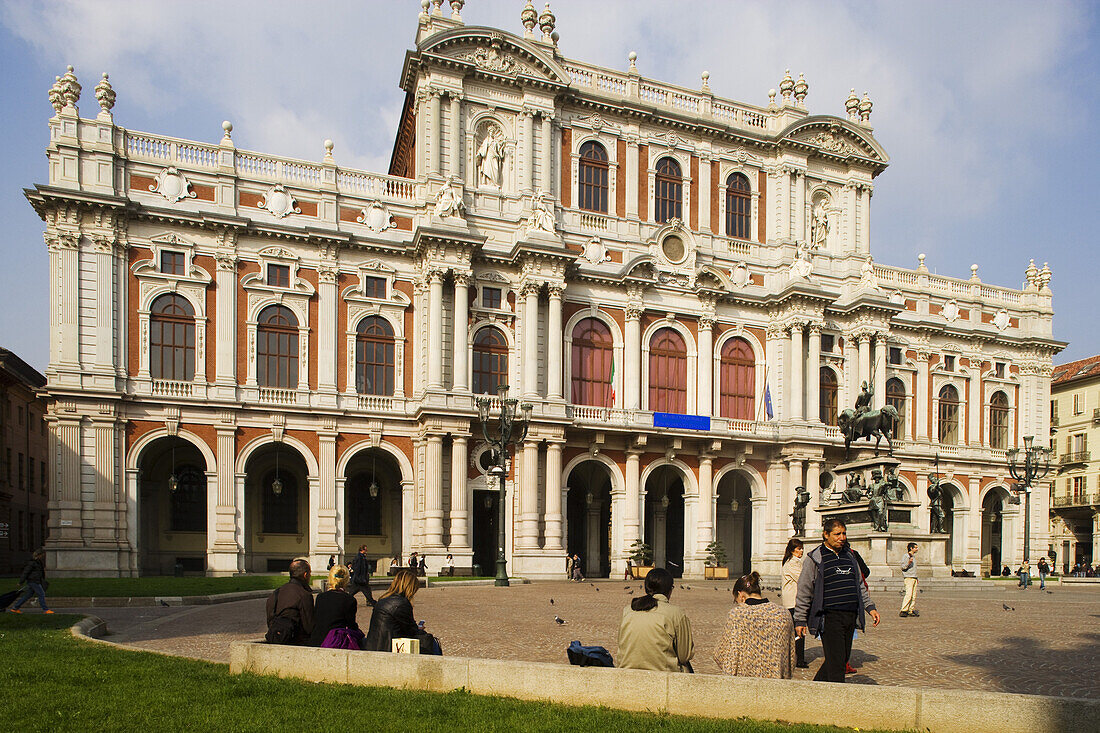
294, 617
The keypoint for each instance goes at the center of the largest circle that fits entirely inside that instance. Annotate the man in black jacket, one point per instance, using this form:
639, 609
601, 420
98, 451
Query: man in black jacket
360, 576
293, 602
34, 575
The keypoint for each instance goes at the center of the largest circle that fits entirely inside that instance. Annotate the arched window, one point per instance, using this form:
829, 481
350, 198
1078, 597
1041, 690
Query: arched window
277, 348
998, 420
738, 206
949, 415
172, 338
592, 368
895, 395
374, 357
737, 389
669, 194
280, 511
188, 501
827, 409
364, 512
490, 361
667, 372
592, 185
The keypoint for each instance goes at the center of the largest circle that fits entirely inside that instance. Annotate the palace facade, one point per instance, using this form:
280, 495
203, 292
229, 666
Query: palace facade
254, 358
1075, 507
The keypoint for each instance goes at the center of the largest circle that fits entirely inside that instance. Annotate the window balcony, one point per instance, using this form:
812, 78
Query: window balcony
278, 396
1071, 500
1096, 415
172, 388
1081, 456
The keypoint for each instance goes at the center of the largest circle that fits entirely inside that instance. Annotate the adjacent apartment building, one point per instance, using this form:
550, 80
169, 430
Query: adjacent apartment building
24, 457
1074, 425
255, 357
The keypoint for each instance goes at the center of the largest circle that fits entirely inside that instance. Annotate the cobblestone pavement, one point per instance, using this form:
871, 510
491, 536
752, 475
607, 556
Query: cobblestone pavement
1049, 644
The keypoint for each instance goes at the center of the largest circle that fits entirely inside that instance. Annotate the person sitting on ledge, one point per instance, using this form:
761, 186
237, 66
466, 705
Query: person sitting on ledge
335, 608
654, 634
393, 617
290, 607
759, 639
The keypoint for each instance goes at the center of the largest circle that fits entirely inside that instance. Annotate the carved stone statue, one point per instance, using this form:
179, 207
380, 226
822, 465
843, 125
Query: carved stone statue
935, 503
819, 225
798, 516
802, 265
854, 491
878, 504
448, 201
490, 158
542, 215
867, 278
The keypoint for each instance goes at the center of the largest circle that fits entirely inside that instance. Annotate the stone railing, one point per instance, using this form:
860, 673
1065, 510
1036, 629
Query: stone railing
171, 388
278, 396
180, 153
896, 277
284, 170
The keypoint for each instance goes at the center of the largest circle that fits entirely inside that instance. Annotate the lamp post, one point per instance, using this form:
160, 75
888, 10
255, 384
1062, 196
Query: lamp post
1036, 466
508, 431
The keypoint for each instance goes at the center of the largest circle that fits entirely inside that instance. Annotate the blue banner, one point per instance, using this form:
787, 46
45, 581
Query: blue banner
683, 422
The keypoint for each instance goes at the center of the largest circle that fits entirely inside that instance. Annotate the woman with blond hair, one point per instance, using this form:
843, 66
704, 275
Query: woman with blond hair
759, 636
393, 617
335, 608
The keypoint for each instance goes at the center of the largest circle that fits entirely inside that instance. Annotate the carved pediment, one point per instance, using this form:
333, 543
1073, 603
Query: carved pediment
495, 52
834, 136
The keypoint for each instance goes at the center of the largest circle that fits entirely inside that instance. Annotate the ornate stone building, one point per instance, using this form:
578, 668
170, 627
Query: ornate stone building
1074, 419
255, 357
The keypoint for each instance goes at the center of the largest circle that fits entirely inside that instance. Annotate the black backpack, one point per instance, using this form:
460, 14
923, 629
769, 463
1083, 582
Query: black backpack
284, 625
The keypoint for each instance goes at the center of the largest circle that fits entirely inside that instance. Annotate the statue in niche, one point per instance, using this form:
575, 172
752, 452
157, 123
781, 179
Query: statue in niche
490, 157
448, 201
802, 265
798, 516
878, 501
542, 215
935, 503
853, 492
819, 225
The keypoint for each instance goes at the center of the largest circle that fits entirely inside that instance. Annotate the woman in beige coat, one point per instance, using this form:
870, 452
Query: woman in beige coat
792, 567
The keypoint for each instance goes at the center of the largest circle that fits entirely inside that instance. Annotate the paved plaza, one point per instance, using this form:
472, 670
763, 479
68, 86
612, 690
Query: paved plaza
1049, 644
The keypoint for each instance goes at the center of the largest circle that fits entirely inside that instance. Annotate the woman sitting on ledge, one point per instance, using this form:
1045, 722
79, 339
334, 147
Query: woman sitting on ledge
655, 634
759, 637
393, 617
335, 608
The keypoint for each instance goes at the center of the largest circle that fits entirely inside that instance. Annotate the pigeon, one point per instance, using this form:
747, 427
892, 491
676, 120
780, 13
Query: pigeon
626, 587
559, 620
631, 592
715, 589
551, 601
1006, 607
164, 604
1050, 592
597, 589
681, 586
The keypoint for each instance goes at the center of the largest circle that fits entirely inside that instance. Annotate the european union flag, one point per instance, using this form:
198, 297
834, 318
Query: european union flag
768, 402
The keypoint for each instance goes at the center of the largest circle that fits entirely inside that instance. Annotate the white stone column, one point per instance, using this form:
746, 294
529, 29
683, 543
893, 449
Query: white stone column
705, 196
865, 219
632, 360
461, 346
225, 547
798, 382
705, 397
774, 372
864, 361
326, 332
104, 308
1095, 537
546, 166
460, 496
631, 178
799, 203
921, 396
554, 344
456, 134
433, 492
322, 541
435, 139
531, 340
975, 407
704, 522
435, 330
225, 354
813, 485
554, 518
631, 519
527, 151
529, 496
881, 356
923, 519
813, 378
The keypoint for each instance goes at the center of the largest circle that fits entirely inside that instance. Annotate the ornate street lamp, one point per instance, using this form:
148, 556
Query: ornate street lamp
508, 431
1036, 466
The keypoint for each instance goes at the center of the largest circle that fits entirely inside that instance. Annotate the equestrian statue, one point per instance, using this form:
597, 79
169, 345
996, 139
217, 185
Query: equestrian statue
864, 422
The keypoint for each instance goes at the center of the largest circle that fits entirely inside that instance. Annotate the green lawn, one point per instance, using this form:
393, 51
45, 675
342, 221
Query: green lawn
55, 682
157, 586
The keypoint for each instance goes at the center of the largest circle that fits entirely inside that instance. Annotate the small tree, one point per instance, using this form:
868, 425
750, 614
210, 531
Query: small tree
716, 555
641, 554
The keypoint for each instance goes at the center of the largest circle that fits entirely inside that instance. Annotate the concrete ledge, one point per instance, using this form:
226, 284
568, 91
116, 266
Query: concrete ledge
1070, 580
701, 695
89, 627
139, 601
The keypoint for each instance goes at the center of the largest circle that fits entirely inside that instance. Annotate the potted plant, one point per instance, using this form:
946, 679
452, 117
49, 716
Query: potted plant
641, 559
716, 562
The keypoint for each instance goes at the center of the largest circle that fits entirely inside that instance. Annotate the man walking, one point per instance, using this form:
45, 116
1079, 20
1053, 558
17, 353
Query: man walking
909, 573
832, 599
1044, 570
360, 576
34, 575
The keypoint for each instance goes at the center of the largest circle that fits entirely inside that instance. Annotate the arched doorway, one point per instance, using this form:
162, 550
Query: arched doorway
372, 505
664, 518
276, 508
993, 554
733, 521
485, 513
952, 500
588, 515
172, 508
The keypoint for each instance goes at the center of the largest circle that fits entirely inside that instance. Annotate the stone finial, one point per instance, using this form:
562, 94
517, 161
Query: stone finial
706, 81
227, 126
55, 96
865, 105
70, 88
530, 18
424, 16
554, 38
800, 90
329, 145
851, 105
1032, 275
1044, 277
920, 258
786, 86
456, 9
437, 7
771, 98
974, 274
105, 94
632, 57
546, 23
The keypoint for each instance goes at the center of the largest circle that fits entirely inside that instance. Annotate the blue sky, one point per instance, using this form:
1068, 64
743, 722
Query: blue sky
990, 111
